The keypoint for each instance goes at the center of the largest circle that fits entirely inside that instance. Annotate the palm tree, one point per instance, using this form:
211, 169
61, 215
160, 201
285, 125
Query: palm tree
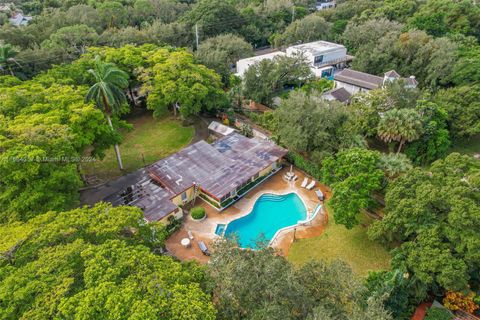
107, 92
7, 58
401, 125
394, 164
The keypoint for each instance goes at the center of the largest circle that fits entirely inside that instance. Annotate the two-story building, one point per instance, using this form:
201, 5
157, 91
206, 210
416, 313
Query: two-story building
323, 57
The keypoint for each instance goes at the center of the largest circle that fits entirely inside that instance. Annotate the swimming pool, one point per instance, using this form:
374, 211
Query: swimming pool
269, 214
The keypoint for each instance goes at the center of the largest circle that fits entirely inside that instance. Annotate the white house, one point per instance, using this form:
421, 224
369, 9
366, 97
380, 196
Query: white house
244, 64
324, 57
325, 4
18, 19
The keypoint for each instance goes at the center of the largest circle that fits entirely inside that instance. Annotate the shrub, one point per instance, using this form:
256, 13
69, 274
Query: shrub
438, 314
197, 213
300, 162
457, 300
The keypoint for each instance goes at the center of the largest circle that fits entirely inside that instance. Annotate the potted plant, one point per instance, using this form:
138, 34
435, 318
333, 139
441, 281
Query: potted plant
198, 213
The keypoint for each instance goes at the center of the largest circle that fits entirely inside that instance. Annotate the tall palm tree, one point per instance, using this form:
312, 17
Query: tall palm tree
107, 92
7, 58
401, 125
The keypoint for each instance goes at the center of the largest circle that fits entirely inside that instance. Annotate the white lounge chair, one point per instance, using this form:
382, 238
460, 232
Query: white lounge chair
190, 235
311, 185
304, 182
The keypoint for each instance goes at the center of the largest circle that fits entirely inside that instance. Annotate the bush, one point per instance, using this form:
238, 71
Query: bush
303, 164
438, 314
197, 213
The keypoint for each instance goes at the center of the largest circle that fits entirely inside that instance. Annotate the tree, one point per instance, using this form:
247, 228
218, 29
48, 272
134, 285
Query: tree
440, 17
7, 58
367, 33
401, 125
307, 124
220, 53
462, 105
434, 214
310, 28
107, 92
74, 39
95, 263
214, 17
175, 80
112, 14
257, 284
268, 77
395, 164
354, 175
44, 133
434, 141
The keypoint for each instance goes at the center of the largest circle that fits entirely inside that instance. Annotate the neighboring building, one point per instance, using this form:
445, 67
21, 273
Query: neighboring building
338, 94
325, 4
18, 19
324, 57
244, 64
219, 173
355, 81
219, 130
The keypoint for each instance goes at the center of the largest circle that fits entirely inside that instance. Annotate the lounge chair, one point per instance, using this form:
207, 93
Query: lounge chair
320, 195
190, 235
204, 248
304, 182
311, 185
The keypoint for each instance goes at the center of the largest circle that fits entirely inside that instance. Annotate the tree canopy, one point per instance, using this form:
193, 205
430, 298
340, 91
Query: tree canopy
434, 213
95, 263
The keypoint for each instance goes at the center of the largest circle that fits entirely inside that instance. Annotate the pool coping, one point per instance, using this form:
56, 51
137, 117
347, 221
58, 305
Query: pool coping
253, 201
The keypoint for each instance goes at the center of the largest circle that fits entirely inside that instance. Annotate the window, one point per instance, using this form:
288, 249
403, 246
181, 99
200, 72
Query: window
318, 59
184, 196
326, 73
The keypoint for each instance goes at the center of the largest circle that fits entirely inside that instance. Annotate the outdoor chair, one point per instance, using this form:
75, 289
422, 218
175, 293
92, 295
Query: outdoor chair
204, 248
319, 194
304, 182
311, 185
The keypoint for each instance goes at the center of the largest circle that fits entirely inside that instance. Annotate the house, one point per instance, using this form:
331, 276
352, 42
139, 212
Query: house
18, 19
325, 4
244, 64
219, 173
355, 81
339, 94
324, 57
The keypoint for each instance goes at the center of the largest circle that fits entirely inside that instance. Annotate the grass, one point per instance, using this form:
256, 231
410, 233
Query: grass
153, 138
470, 146
352, 246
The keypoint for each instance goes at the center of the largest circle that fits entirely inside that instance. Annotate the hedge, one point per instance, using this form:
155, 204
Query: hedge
303, 164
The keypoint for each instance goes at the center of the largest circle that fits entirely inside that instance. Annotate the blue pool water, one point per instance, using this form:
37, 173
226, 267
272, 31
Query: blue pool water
269, 214
220, 229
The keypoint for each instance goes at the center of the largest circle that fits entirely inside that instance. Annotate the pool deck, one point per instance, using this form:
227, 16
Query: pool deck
205, 230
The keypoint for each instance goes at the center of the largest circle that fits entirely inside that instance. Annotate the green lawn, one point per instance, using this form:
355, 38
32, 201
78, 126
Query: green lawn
352, 246
154, 138
470, 146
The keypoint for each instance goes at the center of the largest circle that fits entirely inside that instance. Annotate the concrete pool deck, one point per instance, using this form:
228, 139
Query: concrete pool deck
205, 230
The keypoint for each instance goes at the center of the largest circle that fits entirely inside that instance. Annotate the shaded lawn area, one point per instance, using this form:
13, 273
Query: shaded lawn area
470, 146
155, 138
352, 246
